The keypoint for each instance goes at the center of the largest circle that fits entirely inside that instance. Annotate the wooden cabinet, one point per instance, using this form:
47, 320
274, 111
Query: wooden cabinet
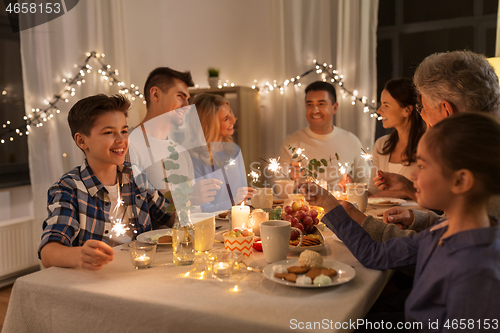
245, 104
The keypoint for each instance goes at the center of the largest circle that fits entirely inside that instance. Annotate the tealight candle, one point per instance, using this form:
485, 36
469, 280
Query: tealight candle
239, 216
221, 268
142, 261
142, 254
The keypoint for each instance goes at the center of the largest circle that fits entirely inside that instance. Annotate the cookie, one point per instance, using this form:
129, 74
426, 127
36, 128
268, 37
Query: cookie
298, 269
287, 276
306, 241
223, 215
330, 272
314, 272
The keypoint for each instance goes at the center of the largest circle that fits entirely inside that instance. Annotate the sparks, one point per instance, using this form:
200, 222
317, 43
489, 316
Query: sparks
254, 175
119, 228
366, 156
232, 161
343, 168
274, 165
120, 202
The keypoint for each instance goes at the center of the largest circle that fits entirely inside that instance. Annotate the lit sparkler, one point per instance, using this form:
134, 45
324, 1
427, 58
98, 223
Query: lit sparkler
232, 161
254, 175
119, 228
366, 156
274, 165
343, 168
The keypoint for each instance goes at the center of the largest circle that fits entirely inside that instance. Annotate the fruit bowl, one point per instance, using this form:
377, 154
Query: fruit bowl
239, 244
318, 247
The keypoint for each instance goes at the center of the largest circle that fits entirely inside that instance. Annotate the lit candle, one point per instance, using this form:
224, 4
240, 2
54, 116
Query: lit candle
239, 216
221, 268
142, 261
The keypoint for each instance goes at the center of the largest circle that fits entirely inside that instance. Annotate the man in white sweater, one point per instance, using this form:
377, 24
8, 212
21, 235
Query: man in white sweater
322, 140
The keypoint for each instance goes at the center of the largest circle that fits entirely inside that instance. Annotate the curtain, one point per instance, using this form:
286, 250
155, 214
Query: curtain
248, 40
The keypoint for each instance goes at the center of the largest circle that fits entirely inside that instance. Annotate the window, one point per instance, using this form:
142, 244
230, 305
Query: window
14, 168
410, 30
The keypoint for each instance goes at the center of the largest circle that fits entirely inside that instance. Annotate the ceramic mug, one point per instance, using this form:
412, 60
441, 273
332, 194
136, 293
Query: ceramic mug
283, 188
204, 231
262, 198
275, 236
358, 193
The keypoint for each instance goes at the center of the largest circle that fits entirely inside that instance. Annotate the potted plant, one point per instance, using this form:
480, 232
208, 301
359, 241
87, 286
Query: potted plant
213, 77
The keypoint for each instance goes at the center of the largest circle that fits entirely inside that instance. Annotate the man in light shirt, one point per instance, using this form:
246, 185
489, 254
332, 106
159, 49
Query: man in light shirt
323, 140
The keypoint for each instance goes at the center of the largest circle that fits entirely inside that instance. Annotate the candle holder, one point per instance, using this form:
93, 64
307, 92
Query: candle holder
142, 254
220, 263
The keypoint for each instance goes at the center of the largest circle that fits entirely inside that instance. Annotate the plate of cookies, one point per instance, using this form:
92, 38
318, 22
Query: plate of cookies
307, 274
385, 202
313, 242
160, 236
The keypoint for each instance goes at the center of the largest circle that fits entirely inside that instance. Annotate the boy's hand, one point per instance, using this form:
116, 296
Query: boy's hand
95, 254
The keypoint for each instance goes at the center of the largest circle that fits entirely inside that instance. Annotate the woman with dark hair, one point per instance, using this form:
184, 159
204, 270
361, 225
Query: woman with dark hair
396, 152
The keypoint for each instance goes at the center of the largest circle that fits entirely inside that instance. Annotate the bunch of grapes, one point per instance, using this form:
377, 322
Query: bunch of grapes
301, 218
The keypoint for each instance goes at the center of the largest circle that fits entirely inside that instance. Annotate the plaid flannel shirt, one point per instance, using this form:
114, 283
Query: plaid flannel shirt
78, 206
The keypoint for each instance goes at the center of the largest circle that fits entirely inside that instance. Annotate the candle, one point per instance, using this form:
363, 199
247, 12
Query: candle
221, 269
239, 216
142, 262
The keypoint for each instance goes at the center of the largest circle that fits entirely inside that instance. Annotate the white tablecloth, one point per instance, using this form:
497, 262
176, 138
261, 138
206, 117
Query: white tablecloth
161, 299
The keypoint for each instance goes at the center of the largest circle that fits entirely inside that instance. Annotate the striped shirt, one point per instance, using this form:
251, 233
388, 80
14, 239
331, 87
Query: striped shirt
79, 206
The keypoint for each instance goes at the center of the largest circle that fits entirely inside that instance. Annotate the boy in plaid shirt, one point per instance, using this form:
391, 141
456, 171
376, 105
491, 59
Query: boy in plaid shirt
86, 201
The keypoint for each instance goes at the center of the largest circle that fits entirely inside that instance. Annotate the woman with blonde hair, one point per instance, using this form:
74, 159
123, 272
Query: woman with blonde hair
221, 157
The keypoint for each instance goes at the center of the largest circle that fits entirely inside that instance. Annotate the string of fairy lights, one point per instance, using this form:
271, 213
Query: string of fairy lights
38, 116
327, 74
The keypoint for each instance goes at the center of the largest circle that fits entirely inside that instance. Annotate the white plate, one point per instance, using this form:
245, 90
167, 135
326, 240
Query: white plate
385, 202
345, 273
312, 248
221, 218
146, 236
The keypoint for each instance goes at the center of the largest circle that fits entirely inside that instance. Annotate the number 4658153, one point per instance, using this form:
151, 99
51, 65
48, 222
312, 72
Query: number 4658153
33, 8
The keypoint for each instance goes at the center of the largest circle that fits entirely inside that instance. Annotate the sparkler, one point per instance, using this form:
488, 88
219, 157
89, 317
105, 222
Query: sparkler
255, 176
366, 156
343, 168
274, 165
119, 228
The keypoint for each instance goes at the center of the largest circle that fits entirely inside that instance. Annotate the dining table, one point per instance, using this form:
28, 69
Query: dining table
170, 298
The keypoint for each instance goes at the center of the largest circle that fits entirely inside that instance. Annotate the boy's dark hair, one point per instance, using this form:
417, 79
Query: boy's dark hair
163, 78
323, 86
469, 140
82, 115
